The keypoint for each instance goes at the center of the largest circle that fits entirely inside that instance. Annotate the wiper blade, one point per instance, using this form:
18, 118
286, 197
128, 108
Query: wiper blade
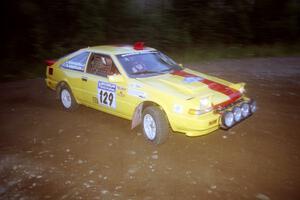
153, 72
145, 72
165, 70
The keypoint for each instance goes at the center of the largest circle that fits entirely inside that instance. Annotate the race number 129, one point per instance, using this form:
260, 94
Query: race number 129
106, 98
107, 94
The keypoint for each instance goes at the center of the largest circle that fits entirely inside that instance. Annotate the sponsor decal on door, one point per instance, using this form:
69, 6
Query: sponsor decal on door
107, 94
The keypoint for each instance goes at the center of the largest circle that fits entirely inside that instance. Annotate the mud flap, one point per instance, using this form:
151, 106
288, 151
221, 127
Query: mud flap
137, 116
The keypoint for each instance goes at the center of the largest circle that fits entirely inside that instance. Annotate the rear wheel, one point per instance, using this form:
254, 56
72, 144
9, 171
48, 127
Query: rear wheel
155, 125
67, 99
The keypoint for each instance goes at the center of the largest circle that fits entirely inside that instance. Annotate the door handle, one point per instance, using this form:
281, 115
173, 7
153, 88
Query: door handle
84, 78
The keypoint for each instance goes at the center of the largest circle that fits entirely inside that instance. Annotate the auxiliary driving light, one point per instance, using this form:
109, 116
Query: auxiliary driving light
245, 109
237, 112
253, 106
228, 119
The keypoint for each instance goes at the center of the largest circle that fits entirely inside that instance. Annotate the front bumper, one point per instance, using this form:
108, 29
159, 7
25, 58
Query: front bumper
209, 122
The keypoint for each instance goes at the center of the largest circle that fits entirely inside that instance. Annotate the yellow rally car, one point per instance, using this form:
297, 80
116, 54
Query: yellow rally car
147, 87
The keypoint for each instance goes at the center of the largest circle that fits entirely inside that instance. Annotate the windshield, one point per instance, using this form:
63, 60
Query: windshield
147, 64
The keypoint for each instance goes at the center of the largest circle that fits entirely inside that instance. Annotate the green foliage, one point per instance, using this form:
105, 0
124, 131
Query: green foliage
187, 55
35, 30
215, 52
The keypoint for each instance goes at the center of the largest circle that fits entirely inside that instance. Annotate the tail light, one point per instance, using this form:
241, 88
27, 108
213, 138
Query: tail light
50, 70
49, 63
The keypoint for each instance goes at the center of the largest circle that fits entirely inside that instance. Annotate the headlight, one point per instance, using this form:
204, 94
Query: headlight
241, 87
205, 102
205, 106
242, 90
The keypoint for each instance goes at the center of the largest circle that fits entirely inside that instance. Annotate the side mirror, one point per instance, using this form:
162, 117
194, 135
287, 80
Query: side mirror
116, 78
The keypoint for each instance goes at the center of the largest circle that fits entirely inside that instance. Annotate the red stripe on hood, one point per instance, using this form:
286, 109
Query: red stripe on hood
233, 94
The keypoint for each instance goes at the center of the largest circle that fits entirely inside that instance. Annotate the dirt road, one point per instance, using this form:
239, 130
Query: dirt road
46, 153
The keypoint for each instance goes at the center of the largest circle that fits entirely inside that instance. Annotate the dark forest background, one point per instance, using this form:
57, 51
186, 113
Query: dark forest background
33, 30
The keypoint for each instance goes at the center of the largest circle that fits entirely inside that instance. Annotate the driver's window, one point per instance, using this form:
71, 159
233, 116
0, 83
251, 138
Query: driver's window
101, 65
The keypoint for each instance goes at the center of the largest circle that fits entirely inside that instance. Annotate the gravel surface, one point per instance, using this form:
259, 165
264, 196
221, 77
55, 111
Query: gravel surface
46, 153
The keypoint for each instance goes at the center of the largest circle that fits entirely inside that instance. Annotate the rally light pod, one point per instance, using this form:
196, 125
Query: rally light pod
253, 106
237, 112
138, 46
245, 109
227, 119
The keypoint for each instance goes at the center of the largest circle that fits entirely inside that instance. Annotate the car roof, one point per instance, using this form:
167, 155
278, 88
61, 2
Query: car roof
117, 49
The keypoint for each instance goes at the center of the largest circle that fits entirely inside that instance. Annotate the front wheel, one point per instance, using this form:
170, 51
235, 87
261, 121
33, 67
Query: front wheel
155, 125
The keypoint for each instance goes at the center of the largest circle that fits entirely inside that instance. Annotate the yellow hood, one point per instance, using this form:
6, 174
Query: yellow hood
192, 84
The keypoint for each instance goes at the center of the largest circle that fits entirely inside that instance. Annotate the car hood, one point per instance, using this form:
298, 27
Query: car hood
190, 84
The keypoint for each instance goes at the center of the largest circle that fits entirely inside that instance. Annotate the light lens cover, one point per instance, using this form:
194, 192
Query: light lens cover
237, 112
242, 90
253, 106
228, 119
205, 106
205, 102
245, 109
198, 111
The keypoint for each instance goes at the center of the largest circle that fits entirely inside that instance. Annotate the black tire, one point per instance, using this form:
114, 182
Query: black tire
64, 89
161, 124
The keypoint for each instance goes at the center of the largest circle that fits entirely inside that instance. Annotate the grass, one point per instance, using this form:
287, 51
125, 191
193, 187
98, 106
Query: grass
16, 69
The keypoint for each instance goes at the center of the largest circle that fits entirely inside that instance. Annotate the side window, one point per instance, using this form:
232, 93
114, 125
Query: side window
101, 65
77, 62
